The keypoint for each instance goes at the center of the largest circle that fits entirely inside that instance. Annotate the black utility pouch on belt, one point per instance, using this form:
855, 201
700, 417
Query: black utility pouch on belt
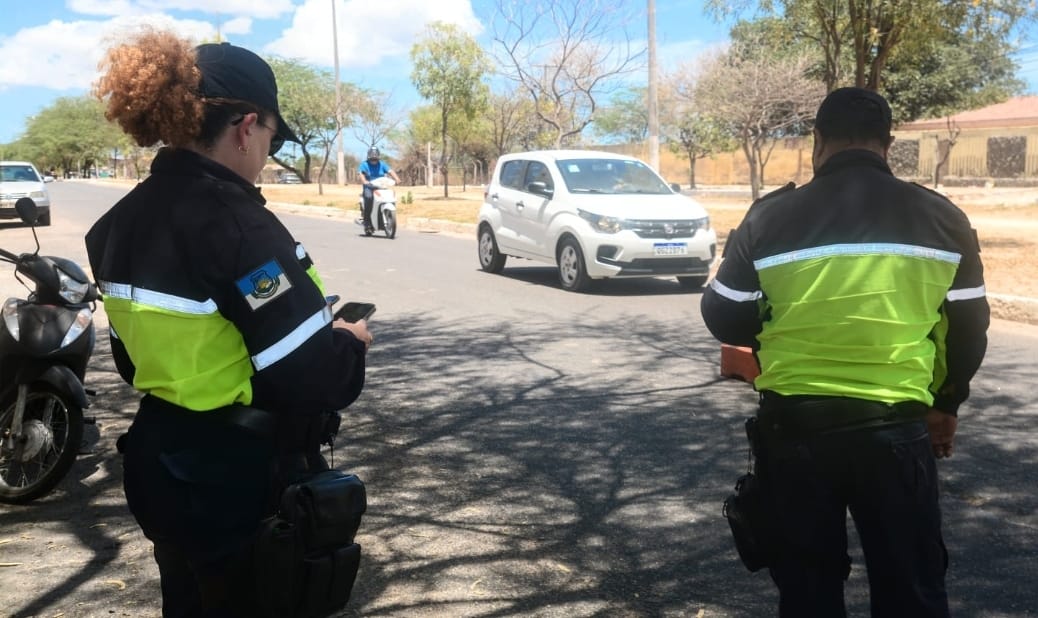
306, 559
747, 514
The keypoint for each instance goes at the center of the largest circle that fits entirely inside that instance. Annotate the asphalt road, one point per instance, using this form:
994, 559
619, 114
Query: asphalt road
527, 451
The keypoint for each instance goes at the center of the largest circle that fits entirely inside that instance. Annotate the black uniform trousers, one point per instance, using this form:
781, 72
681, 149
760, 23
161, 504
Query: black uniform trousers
886, 475
199, 490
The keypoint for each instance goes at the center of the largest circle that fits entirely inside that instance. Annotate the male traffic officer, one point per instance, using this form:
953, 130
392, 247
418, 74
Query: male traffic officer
863, 298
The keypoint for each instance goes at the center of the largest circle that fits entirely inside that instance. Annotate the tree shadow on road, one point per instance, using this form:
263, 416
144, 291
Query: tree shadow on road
512, 471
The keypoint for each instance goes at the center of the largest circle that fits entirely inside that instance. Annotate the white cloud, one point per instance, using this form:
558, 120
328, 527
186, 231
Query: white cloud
238, 25
102, 7
64, 55
369, 32
257, 9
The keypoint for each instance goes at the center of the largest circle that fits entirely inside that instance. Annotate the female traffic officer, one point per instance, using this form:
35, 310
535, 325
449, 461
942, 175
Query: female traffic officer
217, 316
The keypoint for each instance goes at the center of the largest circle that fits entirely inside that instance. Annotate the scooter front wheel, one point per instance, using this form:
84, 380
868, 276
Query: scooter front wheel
34, 462
389, 223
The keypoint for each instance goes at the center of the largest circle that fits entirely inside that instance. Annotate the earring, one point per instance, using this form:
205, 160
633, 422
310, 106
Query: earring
243, 150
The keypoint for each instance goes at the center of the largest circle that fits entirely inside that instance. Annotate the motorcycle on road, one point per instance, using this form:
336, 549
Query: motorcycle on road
383, 210
46, 341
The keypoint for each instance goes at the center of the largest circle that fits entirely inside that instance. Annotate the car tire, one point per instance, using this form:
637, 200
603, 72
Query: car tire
572, 271
693, 283
490, 259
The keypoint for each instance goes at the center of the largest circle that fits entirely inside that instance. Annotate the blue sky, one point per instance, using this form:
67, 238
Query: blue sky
50, 48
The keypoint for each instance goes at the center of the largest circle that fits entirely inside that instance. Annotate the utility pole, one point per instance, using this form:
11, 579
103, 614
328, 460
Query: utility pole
654, 116
340, 157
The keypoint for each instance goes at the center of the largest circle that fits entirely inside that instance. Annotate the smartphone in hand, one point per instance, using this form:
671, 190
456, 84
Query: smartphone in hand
355, 312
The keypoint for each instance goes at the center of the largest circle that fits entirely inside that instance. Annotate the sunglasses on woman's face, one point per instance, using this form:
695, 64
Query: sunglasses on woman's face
276, 141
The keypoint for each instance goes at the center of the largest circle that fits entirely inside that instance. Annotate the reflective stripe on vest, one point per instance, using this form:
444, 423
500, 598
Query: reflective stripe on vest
186, 352
830, 305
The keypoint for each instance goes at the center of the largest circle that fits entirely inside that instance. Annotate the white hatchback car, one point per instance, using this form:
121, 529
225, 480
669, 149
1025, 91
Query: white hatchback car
595, 215
21, 179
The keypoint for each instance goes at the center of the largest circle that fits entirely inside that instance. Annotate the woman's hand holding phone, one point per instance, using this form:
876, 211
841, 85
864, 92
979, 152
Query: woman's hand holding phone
353, 317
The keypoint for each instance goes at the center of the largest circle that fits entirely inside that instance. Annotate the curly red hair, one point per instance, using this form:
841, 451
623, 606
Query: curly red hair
151, 87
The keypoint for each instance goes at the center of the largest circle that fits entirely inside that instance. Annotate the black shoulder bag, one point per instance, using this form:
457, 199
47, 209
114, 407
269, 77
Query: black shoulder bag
305, 556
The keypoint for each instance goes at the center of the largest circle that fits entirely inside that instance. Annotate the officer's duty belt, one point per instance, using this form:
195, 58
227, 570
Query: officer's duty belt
814, 415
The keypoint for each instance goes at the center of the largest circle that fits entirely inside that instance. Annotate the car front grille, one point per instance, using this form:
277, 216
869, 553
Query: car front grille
665, 266
678, 228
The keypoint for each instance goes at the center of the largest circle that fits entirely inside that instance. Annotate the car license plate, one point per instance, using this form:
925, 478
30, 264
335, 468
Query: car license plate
670, 248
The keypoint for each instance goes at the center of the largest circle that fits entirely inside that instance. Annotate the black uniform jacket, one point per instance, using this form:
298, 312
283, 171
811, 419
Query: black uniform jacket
196, 238
848, 255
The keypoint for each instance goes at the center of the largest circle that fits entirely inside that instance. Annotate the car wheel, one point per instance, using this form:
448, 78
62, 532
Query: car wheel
572, 271
490, 259
693, 283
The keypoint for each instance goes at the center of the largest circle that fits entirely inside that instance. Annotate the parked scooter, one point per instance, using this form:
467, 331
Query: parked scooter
45, 343
383, 210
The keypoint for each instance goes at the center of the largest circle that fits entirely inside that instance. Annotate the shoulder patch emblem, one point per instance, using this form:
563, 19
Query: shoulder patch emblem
264, 284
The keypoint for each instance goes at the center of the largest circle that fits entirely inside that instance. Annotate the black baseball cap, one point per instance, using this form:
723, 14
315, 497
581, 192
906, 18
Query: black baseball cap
232, 72
854, 113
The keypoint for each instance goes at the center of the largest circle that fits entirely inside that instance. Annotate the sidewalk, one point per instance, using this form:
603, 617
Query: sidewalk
1003, 306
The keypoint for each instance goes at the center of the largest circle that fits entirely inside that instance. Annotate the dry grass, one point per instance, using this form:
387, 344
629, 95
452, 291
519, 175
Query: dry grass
1006, 220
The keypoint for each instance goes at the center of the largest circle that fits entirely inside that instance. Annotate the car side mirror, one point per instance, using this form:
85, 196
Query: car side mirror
540, 188
675, 187
48, 179
26, 209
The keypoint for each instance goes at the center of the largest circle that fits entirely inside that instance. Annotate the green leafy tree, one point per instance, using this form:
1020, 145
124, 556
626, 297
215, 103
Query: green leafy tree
941, 77
625, 119
307, 99
449, 67
73, 134
872, 32
695, 136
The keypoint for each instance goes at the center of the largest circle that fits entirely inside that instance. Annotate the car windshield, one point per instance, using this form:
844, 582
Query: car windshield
18, 173
611, 176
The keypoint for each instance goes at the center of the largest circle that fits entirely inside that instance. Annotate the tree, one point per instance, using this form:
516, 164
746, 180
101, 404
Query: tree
872, 31
375, 117
307, 99
697, 136
449, 68
688, 131
625, 119
565, 54
763, 96
942, 77
514, 124
72, 133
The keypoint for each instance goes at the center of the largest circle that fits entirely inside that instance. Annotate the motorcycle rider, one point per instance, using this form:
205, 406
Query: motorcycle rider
372, 169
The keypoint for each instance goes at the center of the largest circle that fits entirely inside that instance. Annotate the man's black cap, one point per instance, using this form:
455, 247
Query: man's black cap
854, 113
232, 72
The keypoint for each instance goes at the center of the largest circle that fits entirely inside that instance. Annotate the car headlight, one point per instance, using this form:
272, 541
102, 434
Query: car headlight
702, 224
37, 195
609, 225
71, 290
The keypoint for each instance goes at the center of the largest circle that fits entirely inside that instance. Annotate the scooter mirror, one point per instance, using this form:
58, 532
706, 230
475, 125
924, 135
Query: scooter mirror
27, 210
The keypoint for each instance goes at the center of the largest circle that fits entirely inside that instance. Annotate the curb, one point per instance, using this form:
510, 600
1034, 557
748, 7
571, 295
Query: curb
1003, 306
